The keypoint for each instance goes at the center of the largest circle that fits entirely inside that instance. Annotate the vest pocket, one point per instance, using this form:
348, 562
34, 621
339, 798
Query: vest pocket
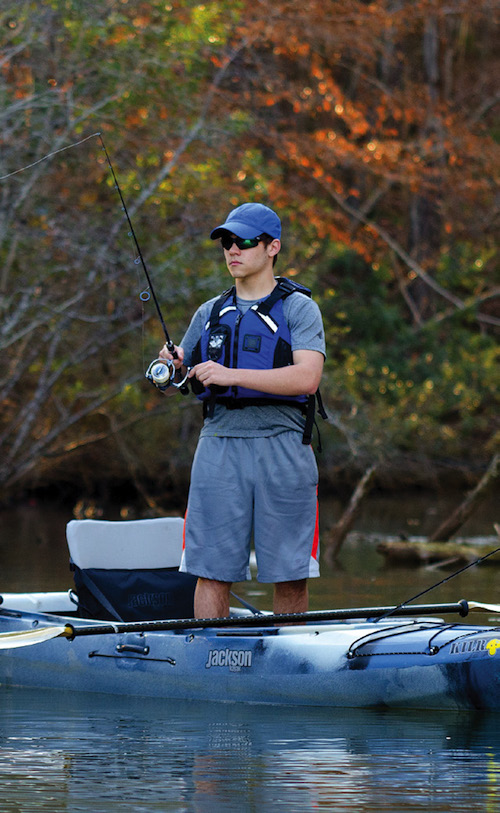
218, 347
282, 354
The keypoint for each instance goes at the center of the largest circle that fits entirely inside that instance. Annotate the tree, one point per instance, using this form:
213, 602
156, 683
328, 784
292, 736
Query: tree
369, 128
70, 315
386, 134
374, 130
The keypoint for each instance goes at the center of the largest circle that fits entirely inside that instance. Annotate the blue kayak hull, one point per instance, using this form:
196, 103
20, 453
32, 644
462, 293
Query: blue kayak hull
410, 663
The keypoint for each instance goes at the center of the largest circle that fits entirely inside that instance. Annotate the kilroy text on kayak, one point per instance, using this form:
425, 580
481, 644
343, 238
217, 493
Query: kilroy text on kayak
491, 645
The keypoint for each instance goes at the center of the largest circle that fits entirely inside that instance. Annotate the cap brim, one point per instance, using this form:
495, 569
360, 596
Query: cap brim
235, 227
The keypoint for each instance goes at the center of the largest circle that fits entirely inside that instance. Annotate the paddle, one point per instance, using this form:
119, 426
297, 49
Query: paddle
9, 640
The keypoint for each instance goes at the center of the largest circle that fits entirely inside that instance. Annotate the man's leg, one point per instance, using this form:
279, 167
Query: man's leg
286, 528
211, 599
218, 522
291, 597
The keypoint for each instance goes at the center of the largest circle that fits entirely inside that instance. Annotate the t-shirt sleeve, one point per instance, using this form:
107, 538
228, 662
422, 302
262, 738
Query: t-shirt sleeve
305, 323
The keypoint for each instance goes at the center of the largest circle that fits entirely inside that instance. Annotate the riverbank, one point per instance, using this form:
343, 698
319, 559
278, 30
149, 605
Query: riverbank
412, 512
91, 482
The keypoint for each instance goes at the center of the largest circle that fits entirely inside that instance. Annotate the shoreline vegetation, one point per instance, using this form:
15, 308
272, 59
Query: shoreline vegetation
372, 132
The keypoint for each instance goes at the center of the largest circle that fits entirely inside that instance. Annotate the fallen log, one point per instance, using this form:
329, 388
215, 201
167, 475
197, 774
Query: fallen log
404, 552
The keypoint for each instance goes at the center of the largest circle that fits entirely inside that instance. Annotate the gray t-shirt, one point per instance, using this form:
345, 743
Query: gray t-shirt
304, 321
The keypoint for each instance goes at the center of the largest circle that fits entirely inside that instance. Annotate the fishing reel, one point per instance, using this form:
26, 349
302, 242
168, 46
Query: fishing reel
161, 373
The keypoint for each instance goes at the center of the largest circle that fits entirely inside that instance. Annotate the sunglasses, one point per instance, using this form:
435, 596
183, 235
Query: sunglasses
242, 243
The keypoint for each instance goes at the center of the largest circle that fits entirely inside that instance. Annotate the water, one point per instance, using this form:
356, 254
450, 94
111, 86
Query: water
92, 754
87, 753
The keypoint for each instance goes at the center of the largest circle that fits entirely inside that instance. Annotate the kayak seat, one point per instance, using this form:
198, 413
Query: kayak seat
129, 570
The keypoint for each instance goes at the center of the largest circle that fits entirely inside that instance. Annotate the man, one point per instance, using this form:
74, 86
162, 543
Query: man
256, 356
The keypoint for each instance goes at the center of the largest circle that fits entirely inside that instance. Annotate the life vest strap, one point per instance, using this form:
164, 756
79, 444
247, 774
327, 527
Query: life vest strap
308, 409
240, 403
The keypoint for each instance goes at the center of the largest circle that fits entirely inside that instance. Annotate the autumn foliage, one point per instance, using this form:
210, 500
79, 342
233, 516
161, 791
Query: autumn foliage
370, 126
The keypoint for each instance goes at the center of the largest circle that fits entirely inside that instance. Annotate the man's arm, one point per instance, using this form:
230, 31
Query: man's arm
300, 378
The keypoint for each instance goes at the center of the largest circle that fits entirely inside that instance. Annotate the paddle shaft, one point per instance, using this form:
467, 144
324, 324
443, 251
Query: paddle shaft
460, 607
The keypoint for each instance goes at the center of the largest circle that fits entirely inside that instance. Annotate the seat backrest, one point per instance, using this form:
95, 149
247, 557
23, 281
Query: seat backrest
142, 544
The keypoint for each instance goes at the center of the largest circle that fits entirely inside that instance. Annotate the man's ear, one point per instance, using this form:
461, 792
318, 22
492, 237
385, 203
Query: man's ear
274, 248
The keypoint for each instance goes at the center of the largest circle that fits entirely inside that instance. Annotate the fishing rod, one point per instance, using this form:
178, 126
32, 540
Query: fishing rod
144, 295
403, 604
161, 372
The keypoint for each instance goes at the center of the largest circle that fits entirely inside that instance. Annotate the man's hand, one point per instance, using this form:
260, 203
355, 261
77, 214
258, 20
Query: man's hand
167, 356
209, 373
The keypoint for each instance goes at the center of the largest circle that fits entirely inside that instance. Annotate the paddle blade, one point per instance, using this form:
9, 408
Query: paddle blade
487, 608
11, 640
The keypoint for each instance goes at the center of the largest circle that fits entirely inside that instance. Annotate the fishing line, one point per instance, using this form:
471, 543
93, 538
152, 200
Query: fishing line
49, 155
144, 296
438, 584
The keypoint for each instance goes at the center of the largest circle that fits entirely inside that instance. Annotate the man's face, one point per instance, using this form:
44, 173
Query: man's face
244, 263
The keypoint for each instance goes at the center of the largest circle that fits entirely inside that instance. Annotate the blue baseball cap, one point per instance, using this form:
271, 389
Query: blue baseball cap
250, 220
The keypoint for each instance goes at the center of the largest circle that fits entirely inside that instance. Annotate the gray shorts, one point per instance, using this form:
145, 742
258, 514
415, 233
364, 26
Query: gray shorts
263, 487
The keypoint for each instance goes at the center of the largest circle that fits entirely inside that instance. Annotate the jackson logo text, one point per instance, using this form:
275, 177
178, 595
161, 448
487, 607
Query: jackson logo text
235, 659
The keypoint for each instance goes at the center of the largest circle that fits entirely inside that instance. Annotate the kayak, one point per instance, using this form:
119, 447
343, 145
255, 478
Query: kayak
420, 662
401, 657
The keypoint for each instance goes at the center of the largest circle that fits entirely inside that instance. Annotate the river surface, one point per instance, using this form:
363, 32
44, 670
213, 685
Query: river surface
92, 754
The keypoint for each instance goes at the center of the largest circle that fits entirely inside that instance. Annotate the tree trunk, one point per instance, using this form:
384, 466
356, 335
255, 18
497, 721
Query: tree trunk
338, 533
466, 509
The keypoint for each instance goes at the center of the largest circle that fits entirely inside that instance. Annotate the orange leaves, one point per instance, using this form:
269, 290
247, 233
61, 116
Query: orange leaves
21, 78
321, 135
120, 34
141, 21
137, 117
298, 46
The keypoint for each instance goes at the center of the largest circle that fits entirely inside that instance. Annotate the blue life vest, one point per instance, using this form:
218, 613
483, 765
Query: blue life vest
256, 340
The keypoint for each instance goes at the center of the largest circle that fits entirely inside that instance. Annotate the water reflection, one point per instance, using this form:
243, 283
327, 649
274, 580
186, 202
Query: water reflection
60, 752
